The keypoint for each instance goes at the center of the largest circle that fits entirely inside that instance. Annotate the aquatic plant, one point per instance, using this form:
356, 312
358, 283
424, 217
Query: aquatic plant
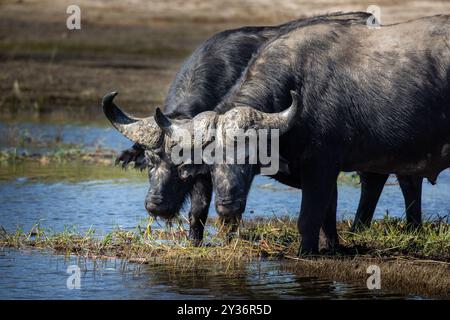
270, 238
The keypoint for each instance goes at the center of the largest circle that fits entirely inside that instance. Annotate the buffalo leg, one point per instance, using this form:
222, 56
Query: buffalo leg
371, 186
200, 201
230, 218
230, 224
319, 184
329, 224
411, 187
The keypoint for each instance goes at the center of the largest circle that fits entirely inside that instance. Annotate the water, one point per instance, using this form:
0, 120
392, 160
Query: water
81, 134
99, 197
103, 198
33, 275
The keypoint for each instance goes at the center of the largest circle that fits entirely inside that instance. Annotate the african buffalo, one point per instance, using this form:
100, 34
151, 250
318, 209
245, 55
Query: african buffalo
371, 100
292, 180
202, 82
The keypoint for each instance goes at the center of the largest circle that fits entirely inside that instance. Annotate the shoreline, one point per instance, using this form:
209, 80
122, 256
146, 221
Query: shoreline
407, 263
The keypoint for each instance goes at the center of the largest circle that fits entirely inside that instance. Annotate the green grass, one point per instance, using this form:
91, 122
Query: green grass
351, 178
390, 236
270, 238
62, 153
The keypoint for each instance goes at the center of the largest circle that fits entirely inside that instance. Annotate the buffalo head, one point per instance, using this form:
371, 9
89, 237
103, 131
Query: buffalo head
231, 180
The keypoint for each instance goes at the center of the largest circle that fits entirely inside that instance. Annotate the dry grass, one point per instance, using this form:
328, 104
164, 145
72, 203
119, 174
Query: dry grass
269, 238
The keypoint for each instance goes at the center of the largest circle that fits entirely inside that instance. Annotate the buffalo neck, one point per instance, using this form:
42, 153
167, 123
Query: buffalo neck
212, 70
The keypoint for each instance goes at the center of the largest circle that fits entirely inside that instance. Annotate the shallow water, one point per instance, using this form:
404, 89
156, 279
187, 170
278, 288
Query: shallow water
37, 275
102, 198
80, 134
99, 197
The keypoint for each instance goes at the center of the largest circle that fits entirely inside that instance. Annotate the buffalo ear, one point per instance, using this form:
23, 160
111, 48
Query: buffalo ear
162, 121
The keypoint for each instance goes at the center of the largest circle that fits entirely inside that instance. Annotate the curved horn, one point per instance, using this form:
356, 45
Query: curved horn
169, 126
144, 131
163, 122
283, 120
247, 117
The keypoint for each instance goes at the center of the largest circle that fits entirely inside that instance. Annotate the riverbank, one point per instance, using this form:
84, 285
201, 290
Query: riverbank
414, 262
62, 154
133, 48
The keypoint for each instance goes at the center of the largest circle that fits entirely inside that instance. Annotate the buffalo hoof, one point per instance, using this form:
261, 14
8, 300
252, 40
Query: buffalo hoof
305, 252
230, 236
359, 227
196, 235
196, 238
196, 242
413, 227
332, 249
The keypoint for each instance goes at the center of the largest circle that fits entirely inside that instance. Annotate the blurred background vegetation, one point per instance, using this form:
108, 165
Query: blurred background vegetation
50, 73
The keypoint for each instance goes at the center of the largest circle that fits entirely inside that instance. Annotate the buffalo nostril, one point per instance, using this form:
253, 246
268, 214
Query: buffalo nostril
156, 199
161, 211
229, 209
221, 209
154, 209
152, 205
149, 206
